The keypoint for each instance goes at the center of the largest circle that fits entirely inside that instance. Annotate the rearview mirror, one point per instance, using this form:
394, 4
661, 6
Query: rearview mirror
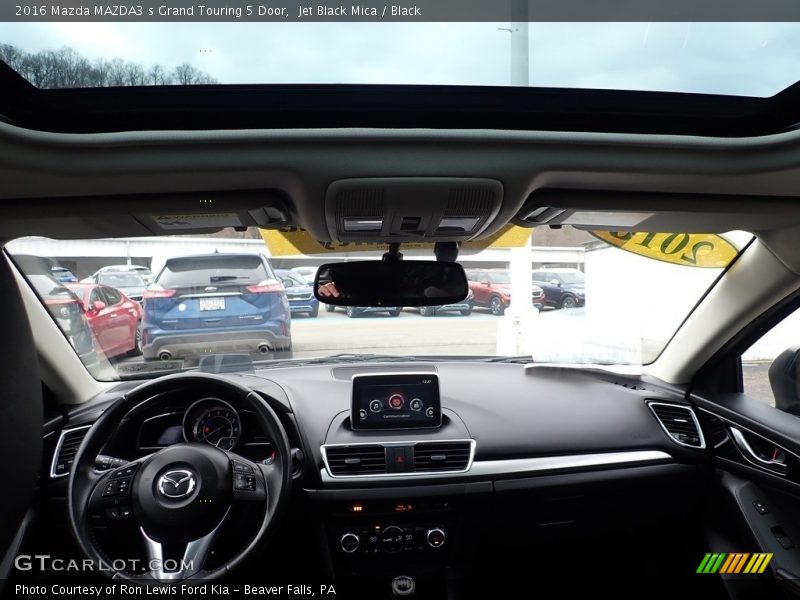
391, 283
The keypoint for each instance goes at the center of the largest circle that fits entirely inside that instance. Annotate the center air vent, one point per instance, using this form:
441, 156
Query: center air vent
442, 456
66, 449
680, 423
364, 459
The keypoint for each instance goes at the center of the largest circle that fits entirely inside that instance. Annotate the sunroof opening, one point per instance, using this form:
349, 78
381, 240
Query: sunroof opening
742, 59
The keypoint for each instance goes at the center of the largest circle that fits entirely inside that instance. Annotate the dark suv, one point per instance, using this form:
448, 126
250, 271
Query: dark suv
563, 288
215, 302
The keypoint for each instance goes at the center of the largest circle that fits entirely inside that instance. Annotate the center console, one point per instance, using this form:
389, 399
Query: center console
392, 528
389, 510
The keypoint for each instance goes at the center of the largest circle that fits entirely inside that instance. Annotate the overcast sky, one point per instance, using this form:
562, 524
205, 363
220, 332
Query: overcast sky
756, 59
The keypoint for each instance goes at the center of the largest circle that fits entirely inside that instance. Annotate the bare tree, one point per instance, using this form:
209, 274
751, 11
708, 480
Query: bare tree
158, 76
185, 74
134, 74
66, 68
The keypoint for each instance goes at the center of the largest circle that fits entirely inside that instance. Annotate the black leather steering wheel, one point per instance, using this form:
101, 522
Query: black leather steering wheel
181, 495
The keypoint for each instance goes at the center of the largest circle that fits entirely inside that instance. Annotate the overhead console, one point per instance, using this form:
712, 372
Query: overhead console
406, 209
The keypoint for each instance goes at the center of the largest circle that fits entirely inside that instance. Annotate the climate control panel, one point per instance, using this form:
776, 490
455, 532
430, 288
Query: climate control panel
393, 539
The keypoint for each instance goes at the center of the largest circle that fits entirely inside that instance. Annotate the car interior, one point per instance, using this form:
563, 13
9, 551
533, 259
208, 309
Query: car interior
499, 473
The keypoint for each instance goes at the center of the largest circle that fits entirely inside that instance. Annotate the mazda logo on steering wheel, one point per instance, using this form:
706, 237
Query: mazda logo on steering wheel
177, 484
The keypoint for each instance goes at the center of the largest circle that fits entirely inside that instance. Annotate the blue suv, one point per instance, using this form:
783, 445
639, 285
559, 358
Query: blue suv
215, 303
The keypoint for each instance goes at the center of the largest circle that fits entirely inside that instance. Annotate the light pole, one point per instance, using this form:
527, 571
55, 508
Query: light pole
518, 318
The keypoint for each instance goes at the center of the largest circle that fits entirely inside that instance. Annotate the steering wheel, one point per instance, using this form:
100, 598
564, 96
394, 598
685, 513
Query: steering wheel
181, 495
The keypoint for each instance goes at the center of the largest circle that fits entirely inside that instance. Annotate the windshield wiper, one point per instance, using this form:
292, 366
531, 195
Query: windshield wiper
521, 359
345, 357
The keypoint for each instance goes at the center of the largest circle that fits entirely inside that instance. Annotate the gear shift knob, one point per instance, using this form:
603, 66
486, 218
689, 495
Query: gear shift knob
403, 587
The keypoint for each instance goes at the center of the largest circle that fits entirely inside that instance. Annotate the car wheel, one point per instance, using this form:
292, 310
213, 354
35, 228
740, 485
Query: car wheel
314, 312
467, 312
137, 341
395, 312
569, 302
351, 312
497, 306
427, 311
330, 308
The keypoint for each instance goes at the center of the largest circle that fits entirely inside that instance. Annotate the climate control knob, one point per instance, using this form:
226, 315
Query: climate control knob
435, 538
349, 542
391, 539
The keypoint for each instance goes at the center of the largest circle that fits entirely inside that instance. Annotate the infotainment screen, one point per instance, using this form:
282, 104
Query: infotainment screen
402, 401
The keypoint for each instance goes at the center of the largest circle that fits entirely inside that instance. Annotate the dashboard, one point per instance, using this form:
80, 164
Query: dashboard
396, 464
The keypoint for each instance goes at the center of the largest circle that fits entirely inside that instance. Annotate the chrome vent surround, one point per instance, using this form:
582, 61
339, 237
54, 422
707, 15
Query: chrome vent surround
442, 456
67, 447
358, 459
680, 423
369, 459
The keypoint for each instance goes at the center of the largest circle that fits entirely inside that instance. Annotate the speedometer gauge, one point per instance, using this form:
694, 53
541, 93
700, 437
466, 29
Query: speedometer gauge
212, 421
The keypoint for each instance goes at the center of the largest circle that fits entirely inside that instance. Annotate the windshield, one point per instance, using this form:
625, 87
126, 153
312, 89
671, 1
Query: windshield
747, 59
574, 278
291, 280
242, 297
47, 287
501, 278
121, 280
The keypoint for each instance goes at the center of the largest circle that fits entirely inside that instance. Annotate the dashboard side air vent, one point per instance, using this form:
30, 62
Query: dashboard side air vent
680, 423
359, 459
66, 449
442, 456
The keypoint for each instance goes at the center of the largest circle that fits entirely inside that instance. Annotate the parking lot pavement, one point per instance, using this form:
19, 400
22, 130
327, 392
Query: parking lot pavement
756, 381
409, 333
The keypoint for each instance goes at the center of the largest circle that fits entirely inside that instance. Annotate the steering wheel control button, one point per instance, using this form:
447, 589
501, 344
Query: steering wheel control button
349, 542
117, 487
103, 462
123, 486
435, 538
126, 471
239, 467
125, 512
244, 482
112, 513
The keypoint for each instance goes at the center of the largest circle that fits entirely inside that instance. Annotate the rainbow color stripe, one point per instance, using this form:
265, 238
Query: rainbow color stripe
734, 562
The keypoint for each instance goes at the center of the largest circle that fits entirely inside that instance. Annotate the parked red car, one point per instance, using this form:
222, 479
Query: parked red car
115, 319
492, 290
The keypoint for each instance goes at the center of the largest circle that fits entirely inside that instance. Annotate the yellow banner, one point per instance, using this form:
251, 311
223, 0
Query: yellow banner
295, 240
704, 250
